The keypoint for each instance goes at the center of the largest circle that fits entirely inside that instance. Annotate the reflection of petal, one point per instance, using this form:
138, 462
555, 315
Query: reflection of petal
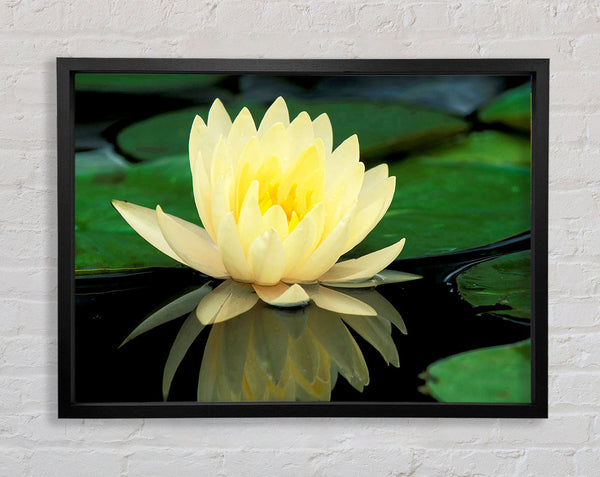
282, 294
364, 267
233, 346
385, 310
227, 301
332, 300
207, 389
188, 333
374, 331
176, 308
339, 343
270, 345
304, 354
383, 277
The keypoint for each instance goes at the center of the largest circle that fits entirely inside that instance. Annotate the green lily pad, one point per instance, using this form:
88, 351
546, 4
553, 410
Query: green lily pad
130, 83
381, 127
499, 374
512, 108
441, 207
489, 147
103, 240
504, 281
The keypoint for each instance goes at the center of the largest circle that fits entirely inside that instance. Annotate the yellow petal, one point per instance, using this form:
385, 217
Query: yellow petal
300, 134
282, 294
266, 258
230, 248
322, 129
219, 122
298, 171
325, 255
277, 113
192, 244
143, 221
250, 223
275, 217
302, 240
332, 300
227, 301
364, 267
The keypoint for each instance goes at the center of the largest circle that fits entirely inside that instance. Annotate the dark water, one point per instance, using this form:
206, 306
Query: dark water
439, 324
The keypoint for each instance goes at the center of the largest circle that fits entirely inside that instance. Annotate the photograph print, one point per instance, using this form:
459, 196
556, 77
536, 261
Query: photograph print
301, 238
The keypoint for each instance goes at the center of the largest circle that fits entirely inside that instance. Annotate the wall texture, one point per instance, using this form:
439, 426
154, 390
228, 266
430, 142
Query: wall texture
33, 442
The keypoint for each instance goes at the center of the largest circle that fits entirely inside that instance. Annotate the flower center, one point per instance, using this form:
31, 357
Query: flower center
297, 189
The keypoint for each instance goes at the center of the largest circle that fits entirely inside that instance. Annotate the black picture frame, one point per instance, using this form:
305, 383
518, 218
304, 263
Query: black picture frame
539, 71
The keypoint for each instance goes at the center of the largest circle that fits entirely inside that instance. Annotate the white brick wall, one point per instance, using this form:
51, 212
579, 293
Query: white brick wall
33, 442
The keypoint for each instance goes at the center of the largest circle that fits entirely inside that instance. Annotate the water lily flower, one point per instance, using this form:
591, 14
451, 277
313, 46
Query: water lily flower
279, 208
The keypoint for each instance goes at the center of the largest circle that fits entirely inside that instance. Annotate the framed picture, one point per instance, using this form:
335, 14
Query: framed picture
302, 237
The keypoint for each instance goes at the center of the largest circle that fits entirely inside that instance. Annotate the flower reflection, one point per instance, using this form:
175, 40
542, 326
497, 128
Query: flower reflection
268, 353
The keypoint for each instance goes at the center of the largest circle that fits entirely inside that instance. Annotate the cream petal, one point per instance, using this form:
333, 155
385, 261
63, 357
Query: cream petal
374, 176
192, 244
220, 165
300, 134
346, 154
332, 300
340, 196
371, 207
143, 221
195, 140
230, 248
325, 255
282, 294
277, 113
322, 129
302, 240
267, 258
250, 223
219, 122
201, 145
381, 278
275, 142
227, 301
242, 130
220, 200
275, 217
364, 267
202, 189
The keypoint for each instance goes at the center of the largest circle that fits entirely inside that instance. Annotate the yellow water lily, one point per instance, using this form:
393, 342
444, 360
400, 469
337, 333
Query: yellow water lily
279, 208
